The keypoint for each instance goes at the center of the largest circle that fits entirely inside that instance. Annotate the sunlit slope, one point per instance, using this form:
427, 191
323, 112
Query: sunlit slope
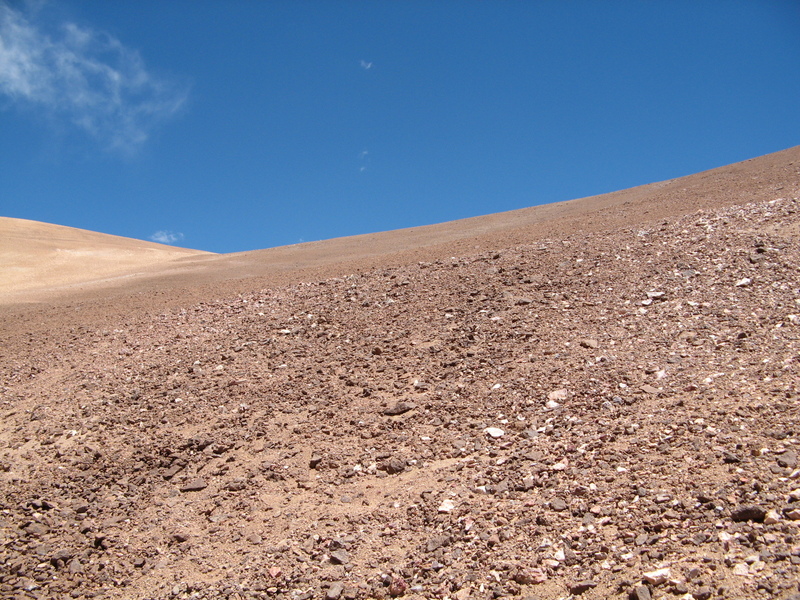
41, 262
40, 256
763, 178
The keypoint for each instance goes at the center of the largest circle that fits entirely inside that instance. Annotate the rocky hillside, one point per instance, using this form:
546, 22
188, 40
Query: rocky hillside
609, 414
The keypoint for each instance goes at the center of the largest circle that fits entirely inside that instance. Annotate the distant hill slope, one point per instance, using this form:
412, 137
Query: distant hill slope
41, 262
38, 256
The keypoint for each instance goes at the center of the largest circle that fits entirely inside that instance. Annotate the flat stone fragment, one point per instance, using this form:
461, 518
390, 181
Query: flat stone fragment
399, 409
36, 529
194, 485
793, 514
656, 577
579, 587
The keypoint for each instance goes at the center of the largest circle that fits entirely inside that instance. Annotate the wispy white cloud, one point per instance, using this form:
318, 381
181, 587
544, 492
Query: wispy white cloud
363, 159
85, 76
366, 65
166, 237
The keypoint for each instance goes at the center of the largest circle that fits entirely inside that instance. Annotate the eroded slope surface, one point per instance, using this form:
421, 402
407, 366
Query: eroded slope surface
564, 418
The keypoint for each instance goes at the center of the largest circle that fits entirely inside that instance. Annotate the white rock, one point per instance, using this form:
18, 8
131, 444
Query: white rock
552, 404
551, 562
446, 506
561, 394
772, 517
656, 577
494, 432
741, 569
743, 282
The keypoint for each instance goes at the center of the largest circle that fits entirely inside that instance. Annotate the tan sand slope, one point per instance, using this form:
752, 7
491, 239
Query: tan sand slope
39, 256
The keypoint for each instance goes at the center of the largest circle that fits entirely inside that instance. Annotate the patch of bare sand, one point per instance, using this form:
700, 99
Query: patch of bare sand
40, 258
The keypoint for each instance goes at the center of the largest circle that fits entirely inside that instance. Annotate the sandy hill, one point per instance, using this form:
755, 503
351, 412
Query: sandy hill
40, 259
596, 399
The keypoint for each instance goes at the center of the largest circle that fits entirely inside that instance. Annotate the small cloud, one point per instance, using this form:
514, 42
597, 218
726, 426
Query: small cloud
87, 77
366, 65
166, 237
363, 159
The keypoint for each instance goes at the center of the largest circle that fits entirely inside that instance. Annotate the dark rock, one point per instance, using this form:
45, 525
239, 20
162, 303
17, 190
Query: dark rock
398, 587
748, 513
75, 566
570, 558
788, 459
640, 592
393, 465
340, 557
680, 588
579, 587
558, 504
437, 542
62, 554
703, 593
236, 485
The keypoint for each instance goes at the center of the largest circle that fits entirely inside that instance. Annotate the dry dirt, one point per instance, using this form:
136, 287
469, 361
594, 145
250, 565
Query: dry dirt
596, 399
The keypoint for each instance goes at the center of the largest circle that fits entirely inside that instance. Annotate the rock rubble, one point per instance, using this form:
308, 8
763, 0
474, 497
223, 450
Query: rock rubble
608, 415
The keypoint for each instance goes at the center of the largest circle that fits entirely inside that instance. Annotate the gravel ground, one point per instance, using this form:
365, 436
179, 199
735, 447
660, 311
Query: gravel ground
610, 414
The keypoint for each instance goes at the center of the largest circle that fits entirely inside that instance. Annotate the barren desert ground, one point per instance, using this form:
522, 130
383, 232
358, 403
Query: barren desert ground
595, 399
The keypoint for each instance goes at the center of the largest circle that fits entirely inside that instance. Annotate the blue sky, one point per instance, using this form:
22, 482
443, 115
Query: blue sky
239, 125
